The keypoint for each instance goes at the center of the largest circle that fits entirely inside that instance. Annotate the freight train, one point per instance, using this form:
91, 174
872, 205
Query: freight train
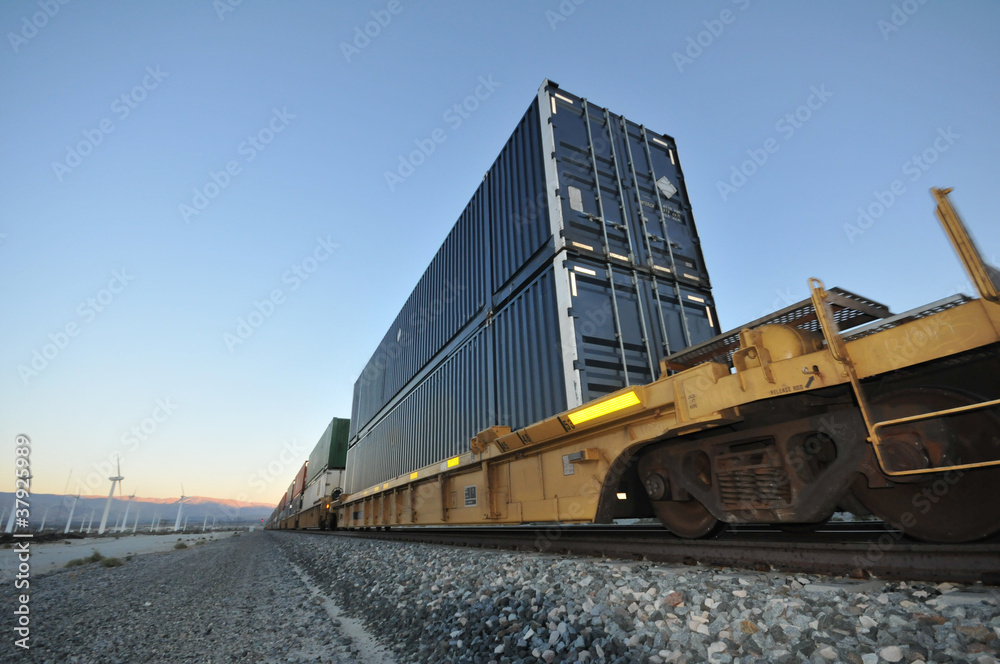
560, 361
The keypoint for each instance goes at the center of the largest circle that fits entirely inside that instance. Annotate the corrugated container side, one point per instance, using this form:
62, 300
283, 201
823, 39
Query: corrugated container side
331, 450
314, 492
318, 457
516, 199
508, 216
339, 435
528, 374
300, 481
451, 292
431, 422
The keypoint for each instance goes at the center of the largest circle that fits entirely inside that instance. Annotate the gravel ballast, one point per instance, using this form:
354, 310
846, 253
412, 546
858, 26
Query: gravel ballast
287, 597
237, 599
442, 604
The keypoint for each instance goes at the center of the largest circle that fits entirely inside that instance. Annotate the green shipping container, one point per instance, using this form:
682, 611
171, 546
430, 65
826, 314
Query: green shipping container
331, 450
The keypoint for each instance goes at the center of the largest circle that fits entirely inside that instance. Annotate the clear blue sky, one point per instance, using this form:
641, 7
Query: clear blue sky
113, 115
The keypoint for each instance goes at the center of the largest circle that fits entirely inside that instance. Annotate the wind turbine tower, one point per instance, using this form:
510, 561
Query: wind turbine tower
135, 527
69, 521
107, 506
44, 517
89, 523
180, 508
125, 518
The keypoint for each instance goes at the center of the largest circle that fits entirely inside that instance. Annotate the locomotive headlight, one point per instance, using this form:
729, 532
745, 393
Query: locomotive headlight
620, 402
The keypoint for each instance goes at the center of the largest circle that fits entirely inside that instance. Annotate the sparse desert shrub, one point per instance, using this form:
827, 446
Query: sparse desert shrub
112, 562
180, 545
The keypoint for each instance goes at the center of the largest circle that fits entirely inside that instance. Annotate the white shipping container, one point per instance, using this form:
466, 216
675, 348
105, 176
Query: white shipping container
321, 487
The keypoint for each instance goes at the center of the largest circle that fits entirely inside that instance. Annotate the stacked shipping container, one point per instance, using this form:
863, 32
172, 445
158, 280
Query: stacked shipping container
325, 470
330, 451
572, 271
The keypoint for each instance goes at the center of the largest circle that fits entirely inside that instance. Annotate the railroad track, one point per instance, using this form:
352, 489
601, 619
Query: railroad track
858, 550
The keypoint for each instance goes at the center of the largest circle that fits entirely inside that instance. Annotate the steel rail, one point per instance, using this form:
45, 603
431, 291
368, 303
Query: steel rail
857, 550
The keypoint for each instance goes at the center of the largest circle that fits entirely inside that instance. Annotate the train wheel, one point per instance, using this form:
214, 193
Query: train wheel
687, 519
955, 506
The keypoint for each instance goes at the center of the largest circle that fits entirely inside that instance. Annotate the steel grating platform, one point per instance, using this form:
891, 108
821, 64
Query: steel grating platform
849, 311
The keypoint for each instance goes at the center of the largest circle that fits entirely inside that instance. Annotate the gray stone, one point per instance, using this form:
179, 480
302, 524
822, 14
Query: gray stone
966, 597
891, 653
842, 586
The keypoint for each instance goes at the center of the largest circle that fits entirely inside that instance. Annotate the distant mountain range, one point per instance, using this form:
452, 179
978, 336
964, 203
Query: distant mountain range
196, 509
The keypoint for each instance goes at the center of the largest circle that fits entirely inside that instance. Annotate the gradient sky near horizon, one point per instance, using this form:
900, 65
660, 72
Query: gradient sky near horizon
169, 166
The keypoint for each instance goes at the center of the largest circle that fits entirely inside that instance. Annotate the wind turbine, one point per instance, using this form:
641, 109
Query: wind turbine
69, 521
135, 527
125, 518
205, 524
180, 508
44, 517
89, 523
111, 494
